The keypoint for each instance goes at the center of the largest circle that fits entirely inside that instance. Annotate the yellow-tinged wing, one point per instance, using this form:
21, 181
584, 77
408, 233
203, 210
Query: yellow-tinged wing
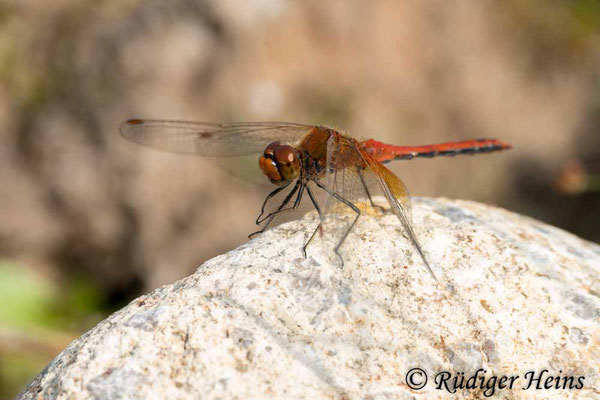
398, 197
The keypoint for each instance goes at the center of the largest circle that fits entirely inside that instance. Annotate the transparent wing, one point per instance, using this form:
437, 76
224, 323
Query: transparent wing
345, 177
394, 190
350, 173
211, 140
398, 197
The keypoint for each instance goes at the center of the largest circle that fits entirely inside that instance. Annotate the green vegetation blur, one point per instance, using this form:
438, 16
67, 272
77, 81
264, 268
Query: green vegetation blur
38, 319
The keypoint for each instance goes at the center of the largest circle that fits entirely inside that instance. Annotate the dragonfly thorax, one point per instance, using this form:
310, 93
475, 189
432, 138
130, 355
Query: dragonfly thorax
280, 163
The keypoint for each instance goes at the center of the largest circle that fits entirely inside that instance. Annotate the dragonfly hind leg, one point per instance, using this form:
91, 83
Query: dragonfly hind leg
314, 201
362, 180
345, 235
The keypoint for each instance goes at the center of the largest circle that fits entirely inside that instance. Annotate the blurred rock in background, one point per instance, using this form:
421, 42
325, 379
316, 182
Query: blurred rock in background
100, 220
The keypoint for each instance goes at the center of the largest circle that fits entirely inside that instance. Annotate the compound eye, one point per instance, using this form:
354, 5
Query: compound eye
287, 161
285, 155
271, 148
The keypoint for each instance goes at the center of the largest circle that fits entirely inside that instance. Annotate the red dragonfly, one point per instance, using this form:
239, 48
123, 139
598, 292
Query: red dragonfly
338, 164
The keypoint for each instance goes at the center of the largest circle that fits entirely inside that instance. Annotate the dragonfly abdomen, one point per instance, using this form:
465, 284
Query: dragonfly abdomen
385, 153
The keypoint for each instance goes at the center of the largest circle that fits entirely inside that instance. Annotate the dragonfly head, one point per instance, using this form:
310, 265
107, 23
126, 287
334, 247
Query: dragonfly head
280, 163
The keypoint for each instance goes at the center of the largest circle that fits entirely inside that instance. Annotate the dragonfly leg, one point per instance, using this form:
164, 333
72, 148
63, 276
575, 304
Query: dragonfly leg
345, 235
299, 187
362, 180
314, 201
269, 196
283, 204
286, 200
280, 210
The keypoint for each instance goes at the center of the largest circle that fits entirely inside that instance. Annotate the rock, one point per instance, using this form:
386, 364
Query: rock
515, 297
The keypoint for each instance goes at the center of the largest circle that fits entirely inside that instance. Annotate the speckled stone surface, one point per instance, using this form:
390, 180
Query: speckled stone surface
514, 295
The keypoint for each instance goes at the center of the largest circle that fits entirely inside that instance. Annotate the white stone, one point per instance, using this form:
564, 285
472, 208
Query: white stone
514, 295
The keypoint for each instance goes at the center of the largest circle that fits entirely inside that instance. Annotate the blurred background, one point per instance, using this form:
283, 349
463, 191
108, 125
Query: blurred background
89, 221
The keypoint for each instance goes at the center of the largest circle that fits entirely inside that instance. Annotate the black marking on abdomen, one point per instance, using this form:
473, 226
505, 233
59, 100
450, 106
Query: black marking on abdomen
449, 153
430, 154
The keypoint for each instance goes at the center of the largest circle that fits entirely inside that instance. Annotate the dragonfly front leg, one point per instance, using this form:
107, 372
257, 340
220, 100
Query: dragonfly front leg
299, 187
280, 210
269, 197
345, 235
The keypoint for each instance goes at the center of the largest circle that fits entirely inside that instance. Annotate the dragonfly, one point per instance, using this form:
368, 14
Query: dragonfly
292, 155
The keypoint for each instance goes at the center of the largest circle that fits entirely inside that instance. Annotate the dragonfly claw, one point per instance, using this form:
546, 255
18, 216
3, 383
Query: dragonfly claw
341, 259
379, 208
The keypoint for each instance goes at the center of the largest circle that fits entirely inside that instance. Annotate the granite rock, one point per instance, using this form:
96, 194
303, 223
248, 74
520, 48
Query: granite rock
514, 297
